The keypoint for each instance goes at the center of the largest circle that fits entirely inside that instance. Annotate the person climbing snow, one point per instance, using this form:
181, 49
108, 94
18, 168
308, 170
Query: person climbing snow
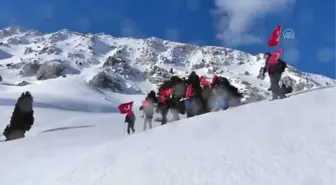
275, 68
194, 104
207, 93
22, 118
189, 101
163, 108
130, 120
148, 109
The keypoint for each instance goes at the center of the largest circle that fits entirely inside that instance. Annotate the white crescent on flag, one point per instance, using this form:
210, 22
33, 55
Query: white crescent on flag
127, 108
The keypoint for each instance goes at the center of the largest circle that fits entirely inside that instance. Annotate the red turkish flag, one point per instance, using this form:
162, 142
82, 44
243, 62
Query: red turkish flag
275, 57
275, 38
167, 91
189, 92
125, 108
204, 82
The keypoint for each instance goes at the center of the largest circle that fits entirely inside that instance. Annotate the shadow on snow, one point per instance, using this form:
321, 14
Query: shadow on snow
67, 128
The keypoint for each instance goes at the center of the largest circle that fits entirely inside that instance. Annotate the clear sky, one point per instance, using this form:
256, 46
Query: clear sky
240, 24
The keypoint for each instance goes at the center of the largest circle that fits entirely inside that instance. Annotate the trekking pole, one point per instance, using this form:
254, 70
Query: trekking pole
125, 128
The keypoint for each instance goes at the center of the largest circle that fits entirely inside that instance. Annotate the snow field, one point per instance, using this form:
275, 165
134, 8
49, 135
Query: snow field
290, 141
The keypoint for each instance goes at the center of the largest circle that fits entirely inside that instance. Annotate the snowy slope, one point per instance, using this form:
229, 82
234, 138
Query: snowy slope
4, 55
70, 93
290, 141
128, 65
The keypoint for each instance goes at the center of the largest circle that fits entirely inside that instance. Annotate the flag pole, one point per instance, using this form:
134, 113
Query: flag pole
125, 129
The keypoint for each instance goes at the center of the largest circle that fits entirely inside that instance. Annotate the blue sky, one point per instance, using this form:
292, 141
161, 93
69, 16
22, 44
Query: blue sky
240, 24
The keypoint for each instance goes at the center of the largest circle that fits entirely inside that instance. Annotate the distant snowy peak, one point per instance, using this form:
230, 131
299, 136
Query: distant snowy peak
129, 65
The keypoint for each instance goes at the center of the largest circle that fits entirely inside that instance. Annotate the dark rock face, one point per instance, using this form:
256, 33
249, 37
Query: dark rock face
30, 69
50, 69
50, 50
157, 75
105, 81
114, 61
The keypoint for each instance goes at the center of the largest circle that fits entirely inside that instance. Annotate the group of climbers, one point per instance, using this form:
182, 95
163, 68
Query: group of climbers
196, 95
192, 96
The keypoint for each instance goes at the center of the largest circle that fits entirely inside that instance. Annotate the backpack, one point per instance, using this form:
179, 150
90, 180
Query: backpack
281, 66
222, 81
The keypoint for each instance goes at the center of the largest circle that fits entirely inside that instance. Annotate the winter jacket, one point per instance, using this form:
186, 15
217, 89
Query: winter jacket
274, 67
130, 117
163, 99
204, 82
190, 92
148, 109
194, 80
151, 97
179, 90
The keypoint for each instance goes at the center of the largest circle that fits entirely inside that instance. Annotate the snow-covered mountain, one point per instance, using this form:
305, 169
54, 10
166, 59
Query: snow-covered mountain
128, 65
78, 81
289, 141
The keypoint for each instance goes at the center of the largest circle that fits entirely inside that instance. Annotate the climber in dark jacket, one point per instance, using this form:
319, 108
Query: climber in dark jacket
163, 108
130, 120
22, 118
197, 102
194, 80
207, 94
189, 102
175, 101
274, 72
151, 96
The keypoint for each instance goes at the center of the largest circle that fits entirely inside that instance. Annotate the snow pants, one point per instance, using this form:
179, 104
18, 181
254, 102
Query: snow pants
175, 114
130, 127
149, 122
164, 113
193, 106
277, 92
221, 104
